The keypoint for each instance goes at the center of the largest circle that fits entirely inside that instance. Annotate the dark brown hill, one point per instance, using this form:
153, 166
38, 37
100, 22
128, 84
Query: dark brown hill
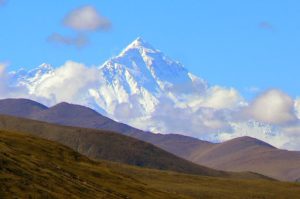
20, 107
105, 145
81, 116
241, 154
250, 154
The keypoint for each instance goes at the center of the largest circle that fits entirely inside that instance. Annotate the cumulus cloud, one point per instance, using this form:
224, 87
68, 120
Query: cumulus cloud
262, 131
167, 118
78, 41
6, 90
271, 117
297, 107
274, 107
86, 18
2, 77
2, 68
292, 135
216, 97
222, 98
82, 20
4, 86
215, 114
69, 83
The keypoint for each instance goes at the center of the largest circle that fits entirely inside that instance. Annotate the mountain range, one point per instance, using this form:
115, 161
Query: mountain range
141, 87
241, 154
107, 145
144, 88
135, 79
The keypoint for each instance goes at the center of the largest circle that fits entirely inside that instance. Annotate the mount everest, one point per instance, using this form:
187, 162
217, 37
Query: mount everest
146, 89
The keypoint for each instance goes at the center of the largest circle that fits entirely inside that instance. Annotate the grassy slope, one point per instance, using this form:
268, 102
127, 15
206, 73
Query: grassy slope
40, 168
37, 168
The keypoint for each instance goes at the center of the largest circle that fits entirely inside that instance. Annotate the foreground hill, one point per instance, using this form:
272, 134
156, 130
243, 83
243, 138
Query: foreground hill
81, 116
31, 167
111, 146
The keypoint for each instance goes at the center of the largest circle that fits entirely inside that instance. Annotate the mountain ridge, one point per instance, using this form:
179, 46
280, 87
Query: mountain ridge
107, 145
131, 85
271, 163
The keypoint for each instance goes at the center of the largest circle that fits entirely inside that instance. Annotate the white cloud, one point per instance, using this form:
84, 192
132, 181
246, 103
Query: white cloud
216, 97
3, 80
222, 98
78, 41
271, 117
297, 107
69, 83
215, 114
6, 90
86, 18
2, 69
274, 107
262, 131
83, 20
170, 118
292, 133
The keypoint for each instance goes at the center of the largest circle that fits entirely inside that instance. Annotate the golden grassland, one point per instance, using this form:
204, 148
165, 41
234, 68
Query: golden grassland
32, 167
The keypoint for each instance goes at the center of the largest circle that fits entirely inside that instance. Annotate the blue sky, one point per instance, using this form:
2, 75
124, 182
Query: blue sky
243, 44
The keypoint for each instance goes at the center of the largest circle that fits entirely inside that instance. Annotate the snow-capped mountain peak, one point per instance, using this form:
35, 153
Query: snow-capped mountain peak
144, 88
32, 78
150, 65
41, 70
130, 84
141, 45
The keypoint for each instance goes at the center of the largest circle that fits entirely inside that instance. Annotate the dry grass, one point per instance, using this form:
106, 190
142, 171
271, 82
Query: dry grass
31, 167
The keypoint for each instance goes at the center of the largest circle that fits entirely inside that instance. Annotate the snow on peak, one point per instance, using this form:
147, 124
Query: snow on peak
39, 71
131, 85
140, 45
138, 77
142, 59
139, 42
32, 78
46, 67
